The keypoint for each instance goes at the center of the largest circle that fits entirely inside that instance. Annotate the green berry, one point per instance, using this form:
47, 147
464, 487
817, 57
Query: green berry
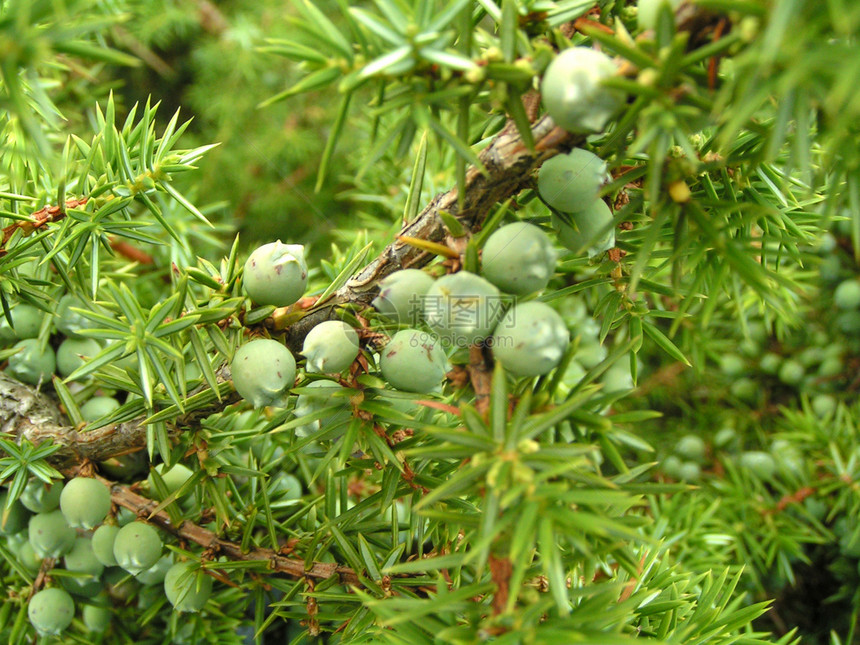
187, 587
518, 258
50, 535
313, 402
119, 584
97, 618
463, 308
401, 295
102, 544
98, 407
23, 551
590, 230
848, 322
830, 269
571, 183
648, 10
74, 352
691, 447
330, 347
15, 518
732, 365
573, 92
760, 463
85, 502
689, 472
173, 478
155, 574
414, 361
137, 547
81, 559
791, 372
51, 610
745, 389
284, 489
263, 372
590, 354
26, 322
830, 367
33, 363
617, 378
69, 322
276, 274
824, 406
847, 295
40, 497
769, 363
671, 465
725, 438
530, 340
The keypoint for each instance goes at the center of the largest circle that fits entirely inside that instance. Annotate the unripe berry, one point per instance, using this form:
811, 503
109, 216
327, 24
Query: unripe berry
263, 372
760, 463
40, 497
689, 472
573, 92
26, 321
97, 618
98, 407
769, 363
823, 405
571, 182
284, 490
102, 544
50, 535
51, 610
173, 478
119, 584
13, 520
137, 547
23, 551
462, 308
531, 339
518, 258
276, 274
330, 347
70, 322
74, 352
413, 361
310, 403
691, 447
590, 230
725, 438
187, 587
672, 466
401, 295
791, 372
85, 502
155, 574
33, 363
847, 295
82, 559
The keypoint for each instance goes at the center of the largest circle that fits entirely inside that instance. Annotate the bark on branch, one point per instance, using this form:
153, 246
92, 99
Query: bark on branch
29, 415
510, 166
125, 497
34, 416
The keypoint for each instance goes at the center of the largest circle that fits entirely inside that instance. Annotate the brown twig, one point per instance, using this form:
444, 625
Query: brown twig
34, 416
126, 498
509, 165
39, 219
